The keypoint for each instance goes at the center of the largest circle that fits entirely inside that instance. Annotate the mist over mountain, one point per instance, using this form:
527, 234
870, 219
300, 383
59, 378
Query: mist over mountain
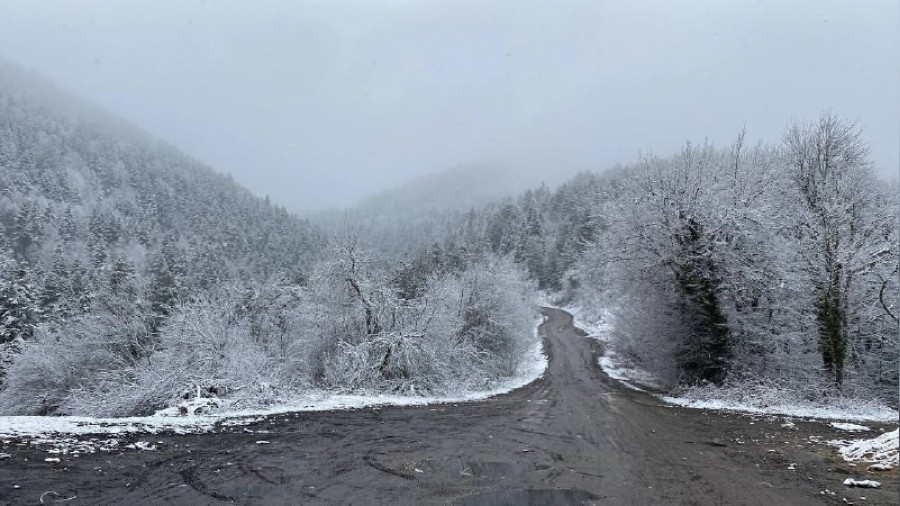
82, 190
459, 187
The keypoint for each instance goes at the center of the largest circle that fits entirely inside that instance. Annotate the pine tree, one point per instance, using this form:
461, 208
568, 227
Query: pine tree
19, 304
164, 293
55, 292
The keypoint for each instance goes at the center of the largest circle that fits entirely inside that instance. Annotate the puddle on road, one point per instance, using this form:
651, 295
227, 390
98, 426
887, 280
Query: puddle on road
481, 469
529, 497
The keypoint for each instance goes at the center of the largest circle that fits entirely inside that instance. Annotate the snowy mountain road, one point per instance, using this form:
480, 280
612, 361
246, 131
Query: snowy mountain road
573, 437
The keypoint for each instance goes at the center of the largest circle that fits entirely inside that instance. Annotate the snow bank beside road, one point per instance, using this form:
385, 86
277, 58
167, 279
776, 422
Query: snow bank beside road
881, 452
745, 400
752, 399
532, 366
850, 427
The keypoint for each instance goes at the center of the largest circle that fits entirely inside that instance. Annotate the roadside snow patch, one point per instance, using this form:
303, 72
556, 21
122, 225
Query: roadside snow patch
143, 446
24, 426
850, 427
850, 482
627, 376
609, 367
882, 452
739, 401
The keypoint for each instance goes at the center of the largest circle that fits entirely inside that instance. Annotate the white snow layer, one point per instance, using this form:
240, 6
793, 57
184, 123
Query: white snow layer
881, 452
858, 412
850, 427
531, 367
850, 482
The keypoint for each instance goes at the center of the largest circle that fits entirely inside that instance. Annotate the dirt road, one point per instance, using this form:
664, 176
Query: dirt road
573, 437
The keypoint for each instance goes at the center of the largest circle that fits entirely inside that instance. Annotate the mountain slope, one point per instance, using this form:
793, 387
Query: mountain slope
84, 195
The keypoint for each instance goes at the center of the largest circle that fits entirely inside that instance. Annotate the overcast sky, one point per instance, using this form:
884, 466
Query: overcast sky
319, 103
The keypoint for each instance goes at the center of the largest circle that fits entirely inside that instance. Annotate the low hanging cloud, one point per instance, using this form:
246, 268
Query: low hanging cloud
319, 104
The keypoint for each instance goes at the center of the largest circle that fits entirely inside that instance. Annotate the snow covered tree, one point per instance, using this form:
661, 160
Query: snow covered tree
19, 302
837, 226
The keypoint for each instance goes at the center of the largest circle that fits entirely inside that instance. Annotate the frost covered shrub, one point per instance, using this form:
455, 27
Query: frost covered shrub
466, 330
349, 330
59, 364
244, 344
415, 365
497, 311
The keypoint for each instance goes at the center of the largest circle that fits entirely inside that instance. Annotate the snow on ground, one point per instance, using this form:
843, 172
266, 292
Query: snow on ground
630, 377
850, 427
850, 482
848, 410
881, 452
597, 327
759, 401
199, 419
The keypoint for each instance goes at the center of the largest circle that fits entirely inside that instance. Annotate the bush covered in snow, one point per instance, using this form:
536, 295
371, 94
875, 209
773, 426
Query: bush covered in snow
347, 329
464, 329
60, 365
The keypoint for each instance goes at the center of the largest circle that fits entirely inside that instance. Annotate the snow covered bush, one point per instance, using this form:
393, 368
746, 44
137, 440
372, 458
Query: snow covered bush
464, 330
59, 365
241, 345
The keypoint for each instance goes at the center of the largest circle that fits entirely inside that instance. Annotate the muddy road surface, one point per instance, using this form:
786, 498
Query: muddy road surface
572, 437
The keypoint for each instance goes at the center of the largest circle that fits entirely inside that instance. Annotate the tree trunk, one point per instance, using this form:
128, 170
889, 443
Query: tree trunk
831, 319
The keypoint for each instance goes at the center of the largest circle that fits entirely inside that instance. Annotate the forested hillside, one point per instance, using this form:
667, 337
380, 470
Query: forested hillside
90, 206
133, 277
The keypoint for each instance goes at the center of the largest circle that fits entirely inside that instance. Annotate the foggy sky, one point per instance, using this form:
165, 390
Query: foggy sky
319, 103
